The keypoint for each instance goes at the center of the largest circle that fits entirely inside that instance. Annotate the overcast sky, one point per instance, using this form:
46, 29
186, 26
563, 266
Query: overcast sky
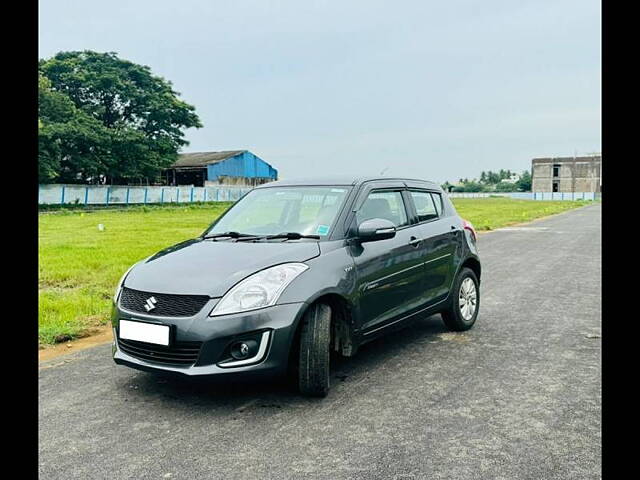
431, 89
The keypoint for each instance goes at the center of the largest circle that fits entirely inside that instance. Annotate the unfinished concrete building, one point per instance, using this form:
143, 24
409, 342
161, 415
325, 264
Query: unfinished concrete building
567, 174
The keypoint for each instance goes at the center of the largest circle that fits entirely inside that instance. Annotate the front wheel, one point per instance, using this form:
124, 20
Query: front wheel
465, 302
315, 343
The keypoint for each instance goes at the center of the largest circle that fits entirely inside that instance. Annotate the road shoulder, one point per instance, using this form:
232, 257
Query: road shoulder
100, 336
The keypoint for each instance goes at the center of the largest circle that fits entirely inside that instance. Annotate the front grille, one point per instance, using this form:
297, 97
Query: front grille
166, 305
182, 353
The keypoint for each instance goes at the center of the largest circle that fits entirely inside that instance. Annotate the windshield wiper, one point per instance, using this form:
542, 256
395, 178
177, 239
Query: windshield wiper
230, 235
287, 236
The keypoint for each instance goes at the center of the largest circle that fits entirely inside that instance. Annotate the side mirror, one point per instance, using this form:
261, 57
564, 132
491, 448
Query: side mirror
376, 229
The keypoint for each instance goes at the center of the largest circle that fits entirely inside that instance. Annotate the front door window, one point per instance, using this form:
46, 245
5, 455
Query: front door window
383, 204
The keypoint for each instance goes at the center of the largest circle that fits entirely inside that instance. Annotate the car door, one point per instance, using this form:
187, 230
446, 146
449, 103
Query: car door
438, 235
389, 272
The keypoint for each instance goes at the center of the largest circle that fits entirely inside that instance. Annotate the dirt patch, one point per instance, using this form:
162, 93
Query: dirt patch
96, 325
56, 285
91, 338
453, 337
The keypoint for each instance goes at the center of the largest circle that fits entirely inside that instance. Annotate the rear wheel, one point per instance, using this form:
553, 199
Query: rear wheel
465, 302
315, 343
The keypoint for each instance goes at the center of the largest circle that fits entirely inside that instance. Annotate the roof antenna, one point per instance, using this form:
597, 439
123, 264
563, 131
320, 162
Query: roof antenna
384, 170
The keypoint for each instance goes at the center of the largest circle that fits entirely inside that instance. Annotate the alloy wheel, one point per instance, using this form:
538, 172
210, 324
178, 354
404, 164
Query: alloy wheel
468, 298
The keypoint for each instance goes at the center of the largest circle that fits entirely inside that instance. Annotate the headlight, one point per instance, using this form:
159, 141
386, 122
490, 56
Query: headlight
259, 290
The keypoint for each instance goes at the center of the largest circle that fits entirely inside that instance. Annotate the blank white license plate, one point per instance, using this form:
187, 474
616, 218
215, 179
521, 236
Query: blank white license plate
144, 332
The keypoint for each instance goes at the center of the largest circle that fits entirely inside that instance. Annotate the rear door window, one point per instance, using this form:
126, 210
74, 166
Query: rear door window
424, 204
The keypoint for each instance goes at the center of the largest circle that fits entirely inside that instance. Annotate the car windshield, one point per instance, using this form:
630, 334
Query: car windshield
270, 211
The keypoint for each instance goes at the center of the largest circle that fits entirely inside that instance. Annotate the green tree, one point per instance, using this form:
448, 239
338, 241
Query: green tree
467, 185
524, 183
108, 117
473, 186
493, 177
505, 187
70, 142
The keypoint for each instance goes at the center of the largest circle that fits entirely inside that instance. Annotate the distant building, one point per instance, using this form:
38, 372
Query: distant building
235, 167
567, 174
512, 179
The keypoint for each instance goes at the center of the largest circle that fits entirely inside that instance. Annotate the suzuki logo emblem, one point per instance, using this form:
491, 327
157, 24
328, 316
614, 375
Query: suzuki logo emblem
150, 304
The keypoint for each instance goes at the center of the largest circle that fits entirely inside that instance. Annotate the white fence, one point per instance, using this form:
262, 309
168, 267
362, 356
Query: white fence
530, 195
57, 194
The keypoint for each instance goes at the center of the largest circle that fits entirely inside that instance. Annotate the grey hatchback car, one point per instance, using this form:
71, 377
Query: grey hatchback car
295, 273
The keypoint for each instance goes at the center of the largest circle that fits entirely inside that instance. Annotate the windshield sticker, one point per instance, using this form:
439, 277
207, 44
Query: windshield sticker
337, 190
322, 229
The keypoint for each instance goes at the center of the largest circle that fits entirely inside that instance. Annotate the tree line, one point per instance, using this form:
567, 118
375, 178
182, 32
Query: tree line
500, 181
102, 119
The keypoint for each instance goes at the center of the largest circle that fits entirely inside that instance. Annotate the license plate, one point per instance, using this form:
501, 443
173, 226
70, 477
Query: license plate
144, 332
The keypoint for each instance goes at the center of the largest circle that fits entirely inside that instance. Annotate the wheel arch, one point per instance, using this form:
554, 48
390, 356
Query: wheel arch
474, 264
342, 325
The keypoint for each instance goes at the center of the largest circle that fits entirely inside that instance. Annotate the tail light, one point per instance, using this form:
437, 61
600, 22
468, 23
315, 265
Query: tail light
469, 226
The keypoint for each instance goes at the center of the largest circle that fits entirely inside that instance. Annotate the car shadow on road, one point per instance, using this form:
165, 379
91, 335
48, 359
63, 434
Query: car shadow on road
277, 393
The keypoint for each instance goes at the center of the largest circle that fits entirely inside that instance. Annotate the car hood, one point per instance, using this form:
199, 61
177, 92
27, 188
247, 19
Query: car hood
206, 267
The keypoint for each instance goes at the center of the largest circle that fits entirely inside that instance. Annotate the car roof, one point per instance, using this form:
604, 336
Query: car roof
345, 180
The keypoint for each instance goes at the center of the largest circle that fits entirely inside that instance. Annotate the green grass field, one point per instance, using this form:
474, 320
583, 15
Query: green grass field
79, 265
495, 212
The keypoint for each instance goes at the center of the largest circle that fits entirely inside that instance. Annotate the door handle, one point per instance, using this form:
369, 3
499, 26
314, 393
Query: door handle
414, 242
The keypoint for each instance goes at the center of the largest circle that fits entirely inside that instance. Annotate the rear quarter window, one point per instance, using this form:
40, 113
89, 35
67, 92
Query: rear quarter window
438, 202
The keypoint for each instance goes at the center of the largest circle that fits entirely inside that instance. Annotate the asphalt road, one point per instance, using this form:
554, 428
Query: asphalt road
517, 396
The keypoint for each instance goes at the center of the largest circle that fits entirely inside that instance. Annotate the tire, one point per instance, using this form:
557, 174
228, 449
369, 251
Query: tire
315, 349
456, 317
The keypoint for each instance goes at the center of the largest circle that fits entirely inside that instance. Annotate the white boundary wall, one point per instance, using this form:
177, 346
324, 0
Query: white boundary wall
530, 195
57, 194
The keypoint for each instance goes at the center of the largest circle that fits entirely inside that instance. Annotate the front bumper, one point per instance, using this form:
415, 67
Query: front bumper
275, 325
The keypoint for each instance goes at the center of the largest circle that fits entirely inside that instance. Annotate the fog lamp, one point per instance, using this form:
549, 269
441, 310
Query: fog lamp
244, 349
